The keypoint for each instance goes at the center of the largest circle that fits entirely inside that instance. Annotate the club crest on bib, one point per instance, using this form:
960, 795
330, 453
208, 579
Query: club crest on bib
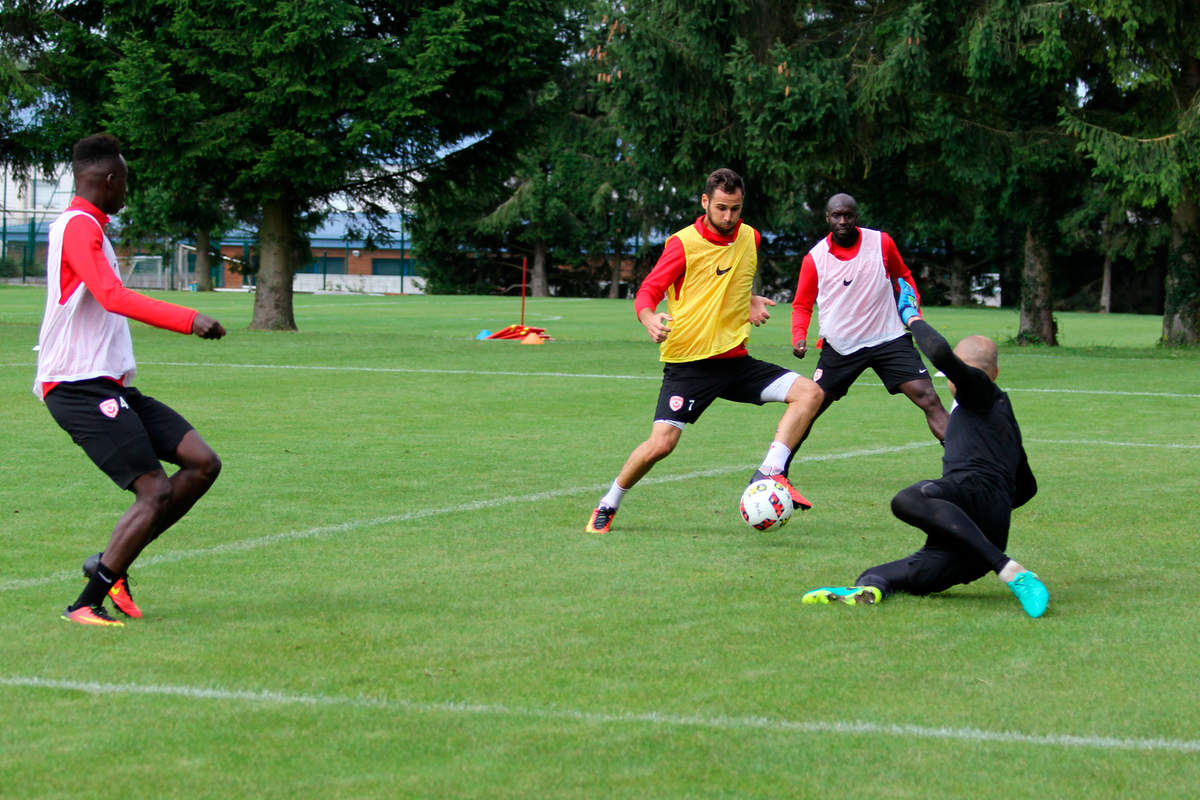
676, 402
817, 375
110, 407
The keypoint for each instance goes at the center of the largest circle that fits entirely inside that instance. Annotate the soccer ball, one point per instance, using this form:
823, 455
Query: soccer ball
766, 504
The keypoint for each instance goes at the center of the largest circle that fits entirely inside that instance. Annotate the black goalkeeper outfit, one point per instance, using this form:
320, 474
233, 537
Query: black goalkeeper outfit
985, 474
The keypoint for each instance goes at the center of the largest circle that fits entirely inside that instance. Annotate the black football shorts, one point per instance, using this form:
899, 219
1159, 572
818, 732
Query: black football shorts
124, 432
690, 387
895, 362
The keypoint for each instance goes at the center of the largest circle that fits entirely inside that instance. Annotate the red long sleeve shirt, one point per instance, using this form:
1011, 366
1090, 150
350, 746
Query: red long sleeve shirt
84, 267
807, 283
669, 270
83, 262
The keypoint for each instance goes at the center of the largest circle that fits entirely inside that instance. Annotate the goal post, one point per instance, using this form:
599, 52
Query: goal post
143, 272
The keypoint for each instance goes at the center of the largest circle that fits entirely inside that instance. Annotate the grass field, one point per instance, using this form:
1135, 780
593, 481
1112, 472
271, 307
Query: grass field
389, 593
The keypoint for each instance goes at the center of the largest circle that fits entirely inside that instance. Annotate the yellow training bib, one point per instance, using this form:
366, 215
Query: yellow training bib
711, 314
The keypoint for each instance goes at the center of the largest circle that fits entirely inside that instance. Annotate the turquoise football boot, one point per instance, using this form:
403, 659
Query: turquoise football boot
1031, 592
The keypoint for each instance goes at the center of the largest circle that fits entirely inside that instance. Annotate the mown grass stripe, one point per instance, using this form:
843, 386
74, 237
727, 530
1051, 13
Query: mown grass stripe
352, 525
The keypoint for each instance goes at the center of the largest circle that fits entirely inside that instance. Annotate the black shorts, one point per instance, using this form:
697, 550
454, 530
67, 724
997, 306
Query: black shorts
895, 362
122, 430
940, 564
690, 387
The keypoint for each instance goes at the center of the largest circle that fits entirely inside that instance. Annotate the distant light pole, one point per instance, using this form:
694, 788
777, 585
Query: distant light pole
4, 233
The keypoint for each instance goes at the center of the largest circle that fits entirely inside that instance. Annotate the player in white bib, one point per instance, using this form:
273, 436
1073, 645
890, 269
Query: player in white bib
84, 374
850, 275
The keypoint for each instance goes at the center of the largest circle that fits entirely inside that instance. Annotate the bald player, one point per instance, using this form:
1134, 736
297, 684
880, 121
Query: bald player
985, 475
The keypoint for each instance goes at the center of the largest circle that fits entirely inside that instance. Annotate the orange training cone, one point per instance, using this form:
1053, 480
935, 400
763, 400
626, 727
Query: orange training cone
533, 338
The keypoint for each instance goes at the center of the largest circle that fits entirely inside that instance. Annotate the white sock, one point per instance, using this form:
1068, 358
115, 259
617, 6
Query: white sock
613, 498
776, 459
1010, 571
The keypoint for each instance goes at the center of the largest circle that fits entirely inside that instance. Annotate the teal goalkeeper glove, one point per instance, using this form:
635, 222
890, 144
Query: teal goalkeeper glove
906, 304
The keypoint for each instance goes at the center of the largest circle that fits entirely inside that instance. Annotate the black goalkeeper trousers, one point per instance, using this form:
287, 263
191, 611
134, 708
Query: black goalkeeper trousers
966, 528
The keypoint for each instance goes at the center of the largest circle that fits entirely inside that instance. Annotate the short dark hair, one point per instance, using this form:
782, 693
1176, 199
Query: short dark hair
95, 149
726, 180
841, 197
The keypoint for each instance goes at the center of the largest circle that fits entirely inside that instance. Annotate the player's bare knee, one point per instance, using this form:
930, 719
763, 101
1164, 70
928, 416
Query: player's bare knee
805, 392
659, 447
661, 443
926, 397
200, 460
210, 467
195, 455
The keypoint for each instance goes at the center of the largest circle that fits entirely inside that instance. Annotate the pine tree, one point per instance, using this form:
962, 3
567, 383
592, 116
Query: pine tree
1141, 126
271, 108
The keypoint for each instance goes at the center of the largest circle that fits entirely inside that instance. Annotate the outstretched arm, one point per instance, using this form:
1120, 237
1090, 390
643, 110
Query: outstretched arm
972, 385
667, 273
84, 263
893, 262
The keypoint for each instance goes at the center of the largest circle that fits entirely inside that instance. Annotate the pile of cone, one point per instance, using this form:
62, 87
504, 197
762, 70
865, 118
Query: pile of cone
524, 333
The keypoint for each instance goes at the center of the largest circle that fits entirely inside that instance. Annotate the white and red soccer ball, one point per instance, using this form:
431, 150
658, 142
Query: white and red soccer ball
766, 504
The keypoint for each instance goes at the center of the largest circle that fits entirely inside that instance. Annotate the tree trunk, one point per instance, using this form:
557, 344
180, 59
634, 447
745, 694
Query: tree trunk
1106, 284
204, 281
273, 297
1037, 314
614, 282
1181, 313
538, 286
1106, 244
960, 284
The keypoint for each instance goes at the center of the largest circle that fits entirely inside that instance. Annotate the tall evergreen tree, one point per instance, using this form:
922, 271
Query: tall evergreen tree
939, 116
54, 62
1141, 125
566, 196
290, 104
180, 179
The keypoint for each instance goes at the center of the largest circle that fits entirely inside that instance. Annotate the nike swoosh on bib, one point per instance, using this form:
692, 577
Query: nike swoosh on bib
847, 283
723, 271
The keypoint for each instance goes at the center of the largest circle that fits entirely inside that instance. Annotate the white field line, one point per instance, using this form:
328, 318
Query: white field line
397, 370
606, 376
408, 516
1098, 443
654, 718
383, 300
412, 370
1113, 392
584, 375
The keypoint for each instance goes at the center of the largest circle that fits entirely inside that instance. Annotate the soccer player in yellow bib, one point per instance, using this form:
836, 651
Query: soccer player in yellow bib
706, 272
